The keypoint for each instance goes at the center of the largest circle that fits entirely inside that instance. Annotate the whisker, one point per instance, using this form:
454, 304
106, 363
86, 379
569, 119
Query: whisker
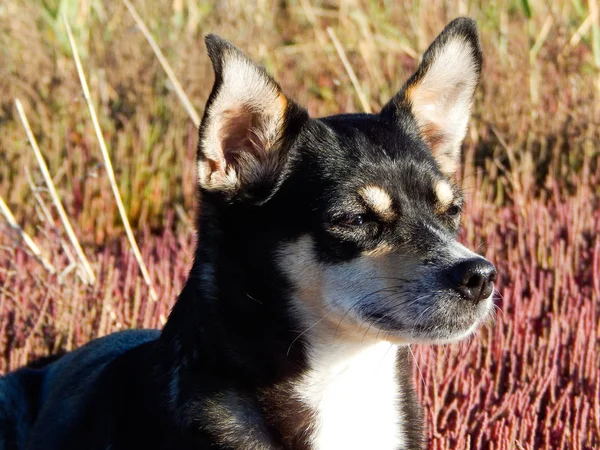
404, 280
386, 352
417, 365
303, 333
497, 308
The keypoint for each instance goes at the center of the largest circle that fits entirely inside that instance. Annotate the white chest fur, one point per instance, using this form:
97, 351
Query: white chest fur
353, 389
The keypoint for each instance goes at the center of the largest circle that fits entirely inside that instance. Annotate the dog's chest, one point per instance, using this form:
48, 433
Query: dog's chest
355, 397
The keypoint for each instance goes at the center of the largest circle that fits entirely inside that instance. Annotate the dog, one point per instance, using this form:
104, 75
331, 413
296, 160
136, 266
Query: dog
325, 248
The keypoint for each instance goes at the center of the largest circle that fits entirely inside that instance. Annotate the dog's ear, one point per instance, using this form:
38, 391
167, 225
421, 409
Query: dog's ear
240, 150
440, 93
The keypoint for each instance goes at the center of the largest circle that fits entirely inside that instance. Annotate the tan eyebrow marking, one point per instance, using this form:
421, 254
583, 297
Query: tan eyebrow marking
444, 194
379, 200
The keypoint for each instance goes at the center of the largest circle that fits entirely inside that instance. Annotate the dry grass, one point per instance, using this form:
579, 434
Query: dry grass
531, 177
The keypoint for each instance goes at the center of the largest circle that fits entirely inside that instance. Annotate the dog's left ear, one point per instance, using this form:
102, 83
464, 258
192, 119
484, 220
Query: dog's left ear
241, 147
440, 93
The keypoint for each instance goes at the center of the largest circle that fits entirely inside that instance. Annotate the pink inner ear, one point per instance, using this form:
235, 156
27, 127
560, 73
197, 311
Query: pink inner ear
433, 136
239, 134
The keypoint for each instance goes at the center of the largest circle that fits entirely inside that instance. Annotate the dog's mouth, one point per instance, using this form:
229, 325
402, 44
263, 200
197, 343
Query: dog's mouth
439, 319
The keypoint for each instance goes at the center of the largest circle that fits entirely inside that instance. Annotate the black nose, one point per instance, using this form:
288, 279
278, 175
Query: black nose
473, 278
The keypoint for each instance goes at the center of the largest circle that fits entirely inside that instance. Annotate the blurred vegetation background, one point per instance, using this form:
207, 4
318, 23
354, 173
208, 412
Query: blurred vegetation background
530, 175
536, 116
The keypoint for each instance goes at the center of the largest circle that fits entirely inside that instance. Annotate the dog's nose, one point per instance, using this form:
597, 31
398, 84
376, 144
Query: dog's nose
473, 278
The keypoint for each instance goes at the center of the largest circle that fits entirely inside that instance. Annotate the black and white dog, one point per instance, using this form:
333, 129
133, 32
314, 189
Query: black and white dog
326, 247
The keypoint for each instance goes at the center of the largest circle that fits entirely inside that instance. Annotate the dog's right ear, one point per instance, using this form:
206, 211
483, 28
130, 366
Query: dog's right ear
241, 151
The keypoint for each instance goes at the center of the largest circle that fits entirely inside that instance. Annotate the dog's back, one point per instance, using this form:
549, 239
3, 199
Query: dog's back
44, 397
19, 400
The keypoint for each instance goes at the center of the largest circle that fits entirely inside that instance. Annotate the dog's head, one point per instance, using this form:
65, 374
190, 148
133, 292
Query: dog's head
358, 212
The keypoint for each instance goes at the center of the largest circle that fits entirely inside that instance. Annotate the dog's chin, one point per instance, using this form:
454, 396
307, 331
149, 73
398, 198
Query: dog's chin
448, 331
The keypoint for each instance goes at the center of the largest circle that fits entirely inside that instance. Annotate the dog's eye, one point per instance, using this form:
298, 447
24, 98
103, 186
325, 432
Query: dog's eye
453, 210
355, 220
352, 220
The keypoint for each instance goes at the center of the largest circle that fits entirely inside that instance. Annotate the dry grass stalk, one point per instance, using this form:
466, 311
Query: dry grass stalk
91, 278
583, 29
5, 210
45, 215
310, 16
539, 42
342, 54
108, 164
187, 104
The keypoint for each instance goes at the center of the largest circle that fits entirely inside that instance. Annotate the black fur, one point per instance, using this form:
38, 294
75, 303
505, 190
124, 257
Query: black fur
221, 373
